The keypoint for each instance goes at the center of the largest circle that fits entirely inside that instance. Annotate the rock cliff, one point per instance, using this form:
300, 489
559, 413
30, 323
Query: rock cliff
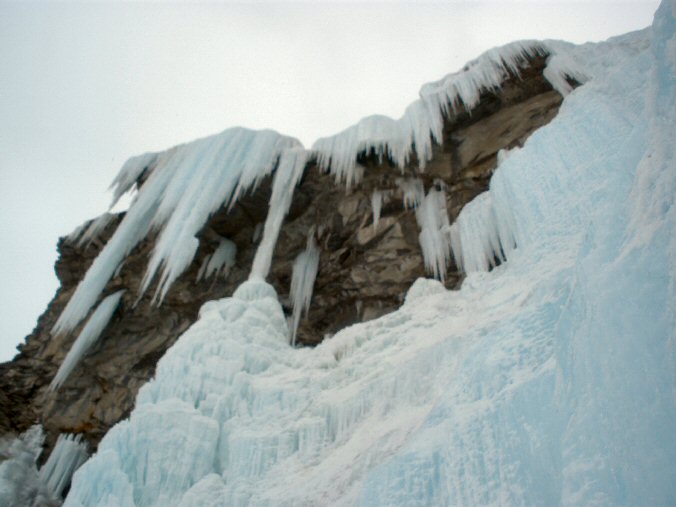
364, 270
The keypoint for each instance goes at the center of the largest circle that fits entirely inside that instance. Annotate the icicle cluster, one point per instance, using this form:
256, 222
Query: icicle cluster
303, 282
481, 235
422, 122
184, 186
412, 191
289, 173
432, 218
68, 454
220, 262
87, 338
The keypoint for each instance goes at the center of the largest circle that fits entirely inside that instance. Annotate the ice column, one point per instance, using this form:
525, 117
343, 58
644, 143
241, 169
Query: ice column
303, 281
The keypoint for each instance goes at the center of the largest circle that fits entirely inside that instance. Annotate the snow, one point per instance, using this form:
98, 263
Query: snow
185, 185
432, 218
220, 261
303, 281
87, 338
546, 381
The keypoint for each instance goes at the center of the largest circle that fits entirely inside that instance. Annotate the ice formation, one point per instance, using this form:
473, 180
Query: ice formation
303, 282
183, 187
288, 175
483, 234
422, 123
432, 217
21, 484
87, 338
220, 261
66, 457
547, 381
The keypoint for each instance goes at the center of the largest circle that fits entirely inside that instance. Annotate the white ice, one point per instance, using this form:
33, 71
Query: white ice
87, 338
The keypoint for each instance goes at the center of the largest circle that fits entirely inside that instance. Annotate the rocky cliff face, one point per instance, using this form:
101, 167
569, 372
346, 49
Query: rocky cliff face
364, 271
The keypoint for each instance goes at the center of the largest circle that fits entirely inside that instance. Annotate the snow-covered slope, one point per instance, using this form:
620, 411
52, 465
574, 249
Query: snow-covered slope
547, 381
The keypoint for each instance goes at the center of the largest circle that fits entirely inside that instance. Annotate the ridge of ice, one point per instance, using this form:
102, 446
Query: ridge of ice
422, 123
87, 338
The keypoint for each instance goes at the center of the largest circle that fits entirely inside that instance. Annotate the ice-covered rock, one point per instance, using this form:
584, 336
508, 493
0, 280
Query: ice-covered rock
548, 381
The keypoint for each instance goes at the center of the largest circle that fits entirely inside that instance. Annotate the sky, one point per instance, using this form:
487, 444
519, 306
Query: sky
84, 86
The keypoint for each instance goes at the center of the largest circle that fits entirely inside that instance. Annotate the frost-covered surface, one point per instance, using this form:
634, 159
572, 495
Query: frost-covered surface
87, 338
303, 282
185, 185
547, 381
220, 261
66, 457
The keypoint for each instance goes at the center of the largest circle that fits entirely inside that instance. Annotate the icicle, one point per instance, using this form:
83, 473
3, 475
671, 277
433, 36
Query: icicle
412, 190
290, 170
68, 454
303, 281
220, 262
376, 205
87, 337
185, 185
432, 218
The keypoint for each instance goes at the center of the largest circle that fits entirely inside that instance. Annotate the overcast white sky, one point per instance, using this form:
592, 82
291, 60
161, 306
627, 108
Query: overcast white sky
83, 86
